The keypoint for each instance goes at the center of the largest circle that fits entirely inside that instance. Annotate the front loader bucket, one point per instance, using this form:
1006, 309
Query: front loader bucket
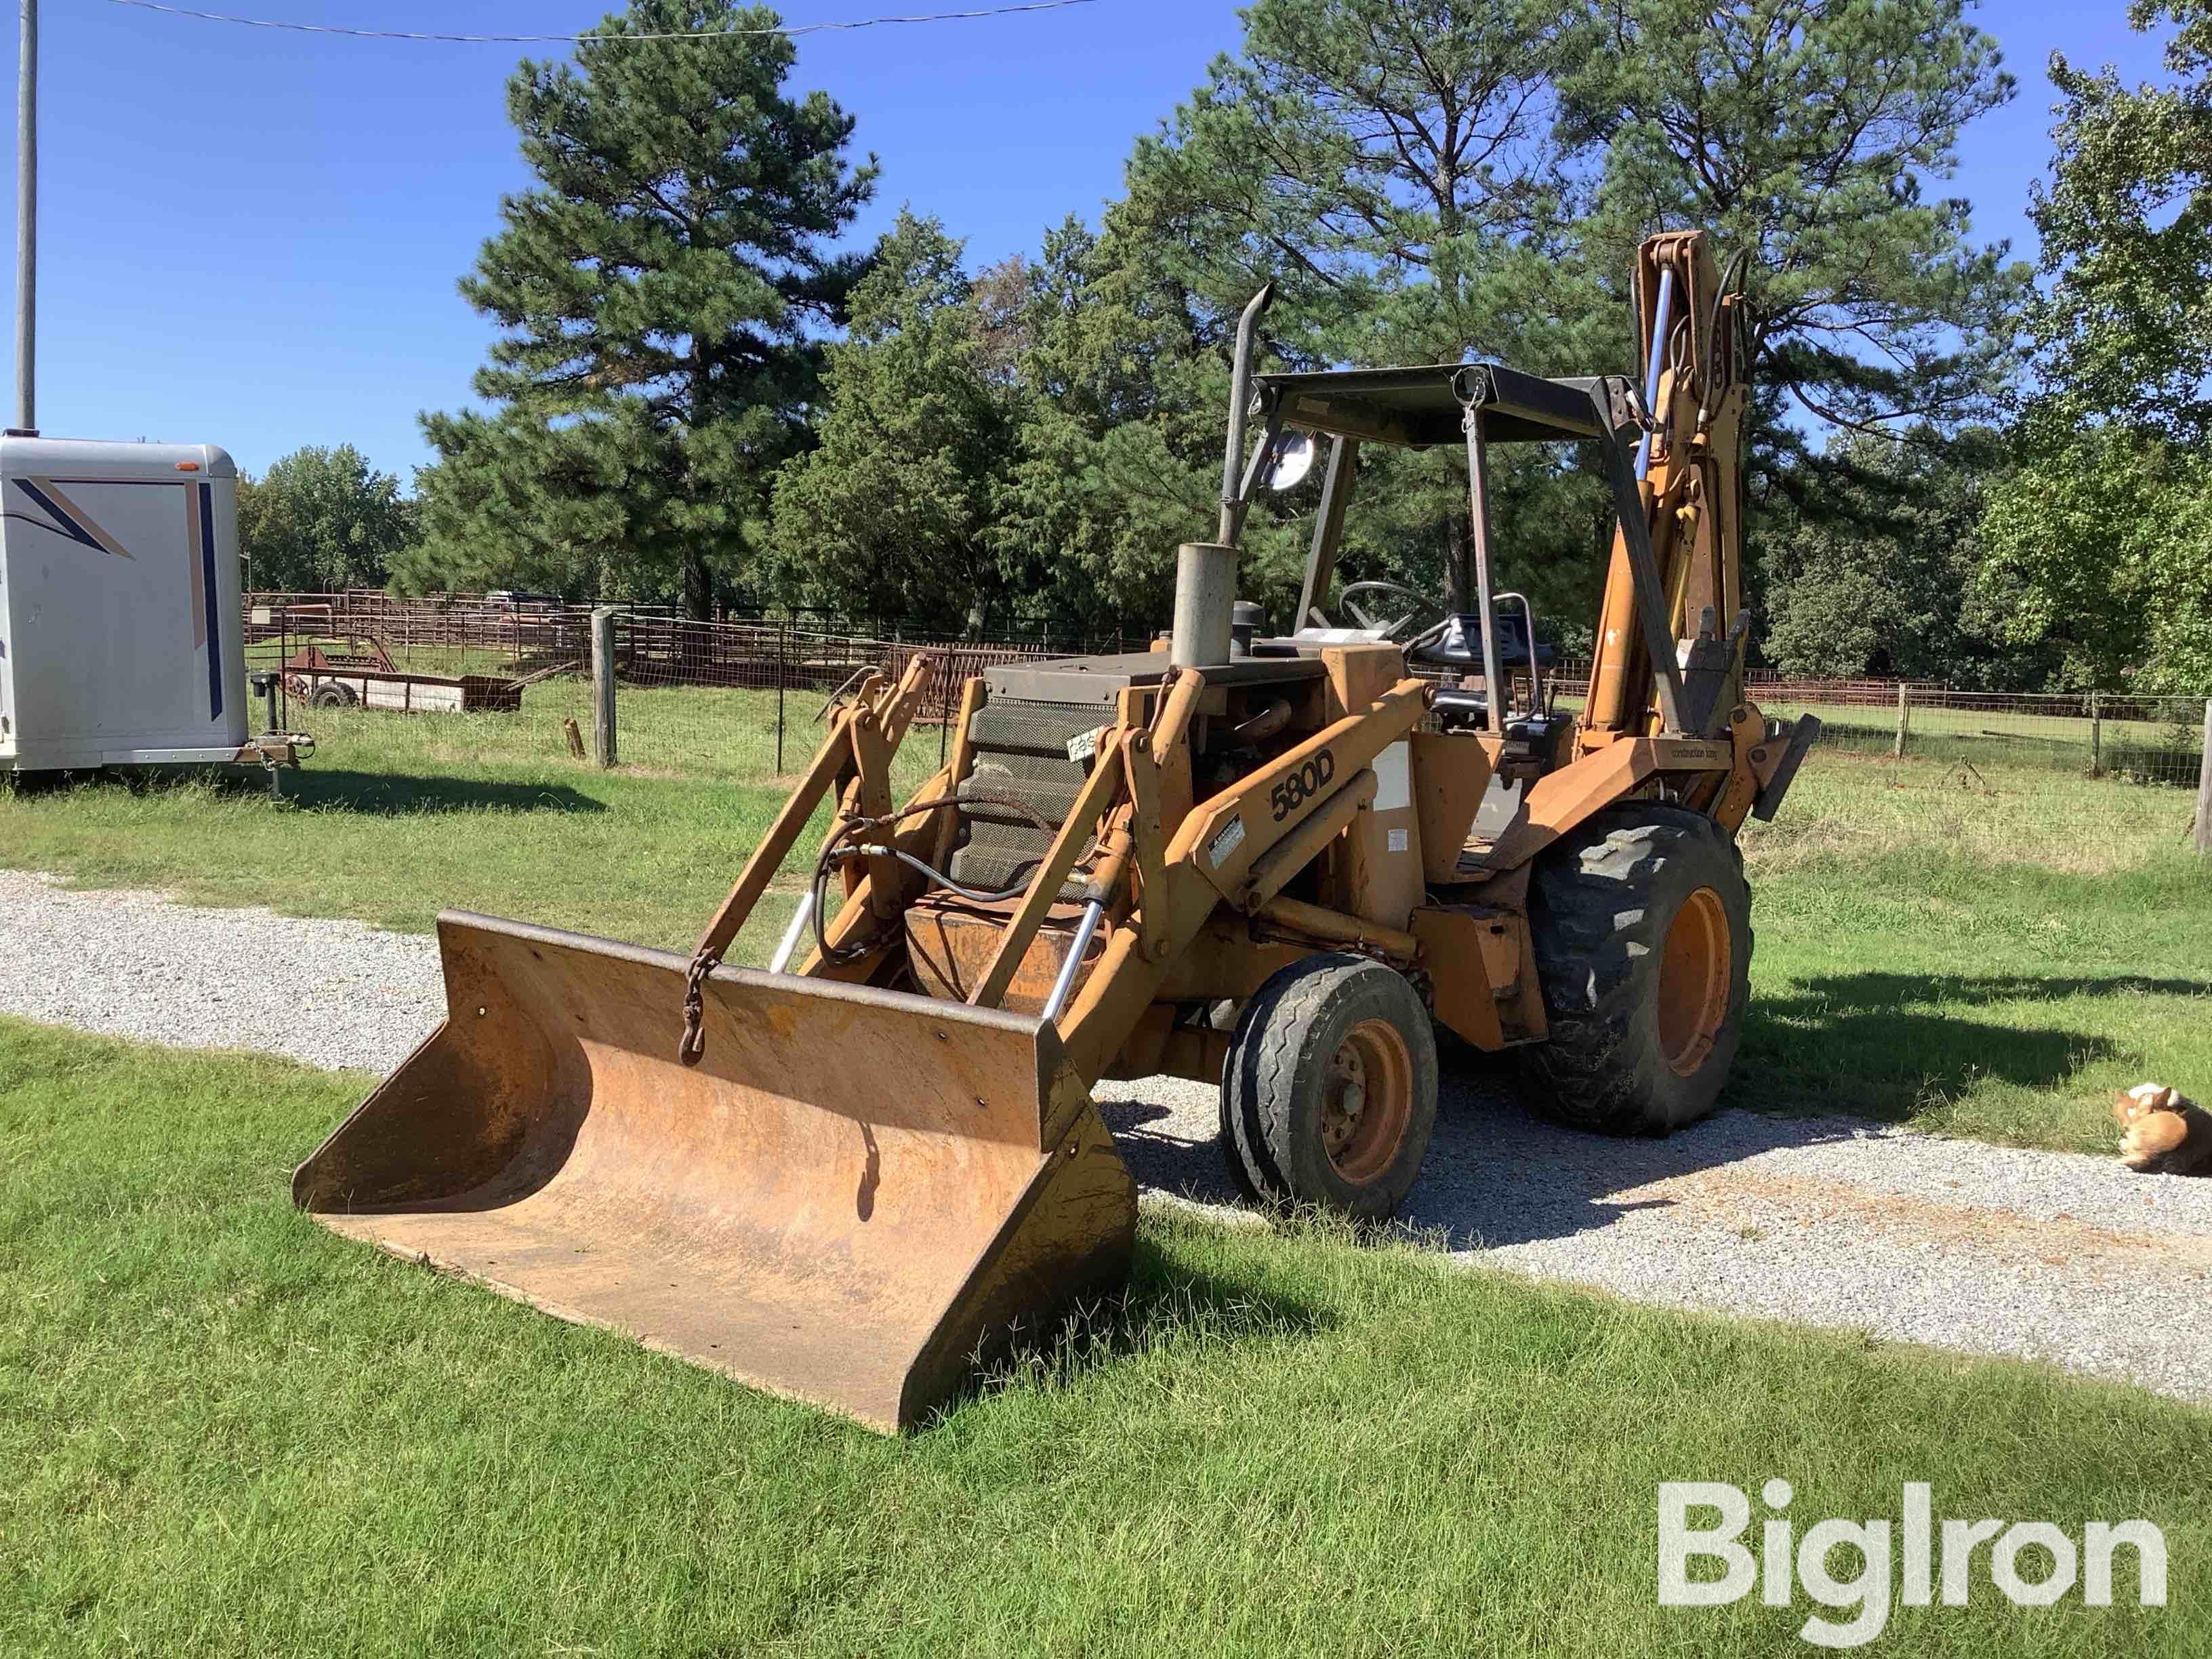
852, 1194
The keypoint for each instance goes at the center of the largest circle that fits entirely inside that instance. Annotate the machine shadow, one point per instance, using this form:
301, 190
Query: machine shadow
1869, 1043
1495, 1175
1878, 990
1834, 1060
1498, 1175
1165, 1302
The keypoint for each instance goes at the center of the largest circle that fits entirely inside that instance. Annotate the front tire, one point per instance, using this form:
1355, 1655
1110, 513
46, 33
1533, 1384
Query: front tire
1329, 1092
1642, 926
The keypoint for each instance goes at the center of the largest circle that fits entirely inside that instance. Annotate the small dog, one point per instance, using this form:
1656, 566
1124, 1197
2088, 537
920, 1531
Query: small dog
2165, 1133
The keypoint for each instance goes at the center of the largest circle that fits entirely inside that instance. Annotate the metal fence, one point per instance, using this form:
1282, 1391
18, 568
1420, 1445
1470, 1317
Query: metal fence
2131, 737
735, 700
741, 700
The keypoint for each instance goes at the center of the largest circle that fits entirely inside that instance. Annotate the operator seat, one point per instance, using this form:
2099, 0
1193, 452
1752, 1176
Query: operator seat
1531, 736
1460, 644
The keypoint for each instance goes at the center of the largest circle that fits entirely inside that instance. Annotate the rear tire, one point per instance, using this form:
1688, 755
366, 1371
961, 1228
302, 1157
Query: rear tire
1329, 1091
1641, 924
333, 697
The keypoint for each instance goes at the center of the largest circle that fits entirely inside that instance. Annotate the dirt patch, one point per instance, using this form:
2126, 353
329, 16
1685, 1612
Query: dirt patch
1750, 1203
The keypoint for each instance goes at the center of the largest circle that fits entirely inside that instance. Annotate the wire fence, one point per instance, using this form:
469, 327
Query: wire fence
507, 679
493, 678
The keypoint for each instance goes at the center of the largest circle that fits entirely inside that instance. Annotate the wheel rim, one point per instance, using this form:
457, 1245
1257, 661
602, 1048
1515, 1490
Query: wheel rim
1367, 1100
1695, 972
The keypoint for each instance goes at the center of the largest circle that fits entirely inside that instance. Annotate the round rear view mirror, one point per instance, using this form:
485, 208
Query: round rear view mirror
1292, 459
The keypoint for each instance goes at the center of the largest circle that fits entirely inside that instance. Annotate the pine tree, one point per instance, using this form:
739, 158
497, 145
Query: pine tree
1809, 133
1392, 168
663, 288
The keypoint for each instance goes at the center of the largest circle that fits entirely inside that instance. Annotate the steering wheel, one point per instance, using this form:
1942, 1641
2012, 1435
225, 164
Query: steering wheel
1395, 630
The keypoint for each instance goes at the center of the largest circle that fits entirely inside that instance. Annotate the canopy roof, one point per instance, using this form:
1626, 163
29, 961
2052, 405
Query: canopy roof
1420, 407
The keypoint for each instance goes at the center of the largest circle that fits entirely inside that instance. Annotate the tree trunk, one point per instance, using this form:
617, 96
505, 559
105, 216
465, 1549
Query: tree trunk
1459, 572
698, 586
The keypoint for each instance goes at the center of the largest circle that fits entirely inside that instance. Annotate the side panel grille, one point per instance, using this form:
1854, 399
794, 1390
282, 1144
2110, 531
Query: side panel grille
1020, 757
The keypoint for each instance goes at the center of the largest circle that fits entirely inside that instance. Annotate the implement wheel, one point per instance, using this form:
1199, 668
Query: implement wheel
1642, 923
1330, 1089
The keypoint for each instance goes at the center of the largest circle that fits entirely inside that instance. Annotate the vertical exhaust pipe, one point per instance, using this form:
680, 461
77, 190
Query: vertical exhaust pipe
1205, 572
1240, 411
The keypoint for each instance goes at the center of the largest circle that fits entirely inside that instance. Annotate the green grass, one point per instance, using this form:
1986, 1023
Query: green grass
398, 817
638, 859
1988, 952
223, 1431
2161, 750
1992, 960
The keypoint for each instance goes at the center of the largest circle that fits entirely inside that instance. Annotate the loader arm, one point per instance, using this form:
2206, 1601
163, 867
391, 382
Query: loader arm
1210, 861
856, 754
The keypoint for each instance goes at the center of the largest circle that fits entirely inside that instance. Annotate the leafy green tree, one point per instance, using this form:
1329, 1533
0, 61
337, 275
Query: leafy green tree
2106, 530
891, 514
1809, 132
1885, 583
321, 521
2126, 225
2106, 541
663, 287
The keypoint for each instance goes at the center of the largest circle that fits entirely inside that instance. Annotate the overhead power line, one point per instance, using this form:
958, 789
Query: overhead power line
567, 40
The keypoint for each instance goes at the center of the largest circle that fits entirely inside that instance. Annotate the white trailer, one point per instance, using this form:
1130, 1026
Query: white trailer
120, 638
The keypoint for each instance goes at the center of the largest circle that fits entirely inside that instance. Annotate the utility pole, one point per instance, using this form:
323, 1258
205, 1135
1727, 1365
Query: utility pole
27, 220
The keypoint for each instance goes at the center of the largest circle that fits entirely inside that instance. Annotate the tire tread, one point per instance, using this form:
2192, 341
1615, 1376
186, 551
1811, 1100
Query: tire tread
1591, 913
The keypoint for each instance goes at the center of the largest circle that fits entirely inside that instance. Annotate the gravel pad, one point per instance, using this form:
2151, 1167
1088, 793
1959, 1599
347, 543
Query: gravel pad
1824, 1221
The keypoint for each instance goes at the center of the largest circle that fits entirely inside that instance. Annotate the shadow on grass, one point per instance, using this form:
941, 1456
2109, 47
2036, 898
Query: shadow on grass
1168, 1298
1876, 992
323, 789
1167, 1305
1869, 1043
397, 794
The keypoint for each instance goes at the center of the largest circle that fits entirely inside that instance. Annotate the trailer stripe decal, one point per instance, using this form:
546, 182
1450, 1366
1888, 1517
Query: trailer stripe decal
193, 563
83, 520
212, 591
68, 518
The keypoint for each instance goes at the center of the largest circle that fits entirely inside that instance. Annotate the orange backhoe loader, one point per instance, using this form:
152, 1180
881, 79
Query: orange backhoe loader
1278, 864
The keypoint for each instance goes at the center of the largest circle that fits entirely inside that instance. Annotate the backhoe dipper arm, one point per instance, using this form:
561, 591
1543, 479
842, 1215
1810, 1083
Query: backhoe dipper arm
1678, 551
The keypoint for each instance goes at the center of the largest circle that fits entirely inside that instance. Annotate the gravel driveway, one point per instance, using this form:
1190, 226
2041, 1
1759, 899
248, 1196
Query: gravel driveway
332, 993
1827, 1221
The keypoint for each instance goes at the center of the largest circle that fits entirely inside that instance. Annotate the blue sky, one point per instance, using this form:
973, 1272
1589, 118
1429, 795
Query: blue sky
252, 238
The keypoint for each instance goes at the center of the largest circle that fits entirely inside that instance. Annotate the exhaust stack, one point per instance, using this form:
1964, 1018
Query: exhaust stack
1205, 572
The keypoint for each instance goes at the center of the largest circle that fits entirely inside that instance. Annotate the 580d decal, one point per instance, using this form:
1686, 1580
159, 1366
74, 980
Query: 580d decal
1307, 781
